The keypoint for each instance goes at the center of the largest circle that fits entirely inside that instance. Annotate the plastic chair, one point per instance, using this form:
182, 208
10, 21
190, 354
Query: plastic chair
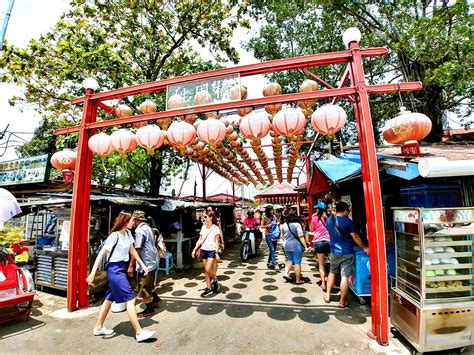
169, 263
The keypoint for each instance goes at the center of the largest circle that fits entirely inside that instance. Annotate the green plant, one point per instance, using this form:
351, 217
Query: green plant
10, 235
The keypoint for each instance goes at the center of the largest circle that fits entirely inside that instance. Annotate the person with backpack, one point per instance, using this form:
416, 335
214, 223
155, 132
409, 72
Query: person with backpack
145, 245
318, 227
343, 237
117, 248
295, 245
272, 234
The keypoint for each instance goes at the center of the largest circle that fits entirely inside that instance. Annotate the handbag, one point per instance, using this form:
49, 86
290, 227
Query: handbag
104, 265
160, 245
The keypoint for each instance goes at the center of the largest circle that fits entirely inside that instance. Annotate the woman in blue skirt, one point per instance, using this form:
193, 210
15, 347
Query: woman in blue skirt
117, 247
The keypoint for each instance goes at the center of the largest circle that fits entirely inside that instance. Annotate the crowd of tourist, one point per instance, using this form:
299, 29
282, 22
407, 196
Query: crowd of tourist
123, 255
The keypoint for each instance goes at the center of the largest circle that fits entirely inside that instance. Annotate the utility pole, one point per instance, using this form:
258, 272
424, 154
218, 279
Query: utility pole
5, 23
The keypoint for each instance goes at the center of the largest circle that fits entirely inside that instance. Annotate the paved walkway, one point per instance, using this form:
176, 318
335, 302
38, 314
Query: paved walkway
255, 312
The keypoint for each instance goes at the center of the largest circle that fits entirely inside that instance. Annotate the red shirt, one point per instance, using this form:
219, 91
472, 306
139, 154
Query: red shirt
251, 222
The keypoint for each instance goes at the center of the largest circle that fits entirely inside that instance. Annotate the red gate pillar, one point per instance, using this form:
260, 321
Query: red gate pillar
79, 230
373, 201
309, 199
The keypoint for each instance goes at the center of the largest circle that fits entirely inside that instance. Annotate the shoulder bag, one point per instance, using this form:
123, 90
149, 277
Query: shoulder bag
105, 263
339, 230
198, 251
296, 237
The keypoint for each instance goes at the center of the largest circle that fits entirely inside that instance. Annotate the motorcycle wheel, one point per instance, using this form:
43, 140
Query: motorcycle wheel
245, 251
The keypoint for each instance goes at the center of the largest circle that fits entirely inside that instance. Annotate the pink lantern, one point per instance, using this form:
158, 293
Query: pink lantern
181, 134
150, 137
328, 119
147, 106
123, 141
255, 125
176, 101
289, 122
202, 97
65, 160
211, 131
100, 144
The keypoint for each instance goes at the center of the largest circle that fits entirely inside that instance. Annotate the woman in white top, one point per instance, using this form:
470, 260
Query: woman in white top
118, 246
295, 245
209, 244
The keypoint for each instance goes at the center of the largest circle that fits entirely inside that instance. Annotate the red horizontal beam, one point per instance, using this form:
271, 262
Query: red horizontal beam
391, 88
244, 70
321, 94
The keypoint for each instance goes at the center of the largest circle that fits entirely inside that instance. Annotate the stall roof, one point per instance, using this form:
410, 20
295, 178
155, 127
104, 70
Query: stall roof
450, 151
67, 198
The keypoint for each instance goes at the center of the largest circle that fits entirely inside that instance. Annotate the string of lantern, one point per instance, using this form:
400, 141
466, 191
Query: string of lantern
214, 143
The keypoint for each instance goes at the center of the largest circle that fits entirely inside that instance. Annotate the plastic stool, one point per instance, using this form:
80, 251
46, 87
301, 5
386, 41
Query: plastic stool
169, 264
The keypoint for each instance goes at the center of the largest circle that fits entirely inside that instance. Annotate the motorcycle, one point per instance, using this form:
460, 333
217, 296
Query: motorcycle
248, 247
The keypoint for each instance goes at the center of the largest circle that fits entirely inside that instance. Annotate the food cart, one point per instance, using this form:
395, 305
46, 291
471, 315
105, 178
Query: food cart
433, 300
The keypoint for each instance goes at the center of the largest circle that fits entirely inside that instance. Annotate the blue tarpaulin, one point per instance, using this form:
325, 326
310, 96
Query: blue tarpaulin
344, 166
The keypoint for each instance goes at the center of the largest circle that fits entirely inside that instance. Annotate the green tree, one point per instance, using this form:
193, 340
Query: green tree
429, 41
121, 43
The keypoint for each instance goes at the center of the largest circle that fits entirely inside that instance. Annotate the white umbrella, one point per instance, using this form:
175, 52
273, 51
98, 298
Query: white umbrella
8, 206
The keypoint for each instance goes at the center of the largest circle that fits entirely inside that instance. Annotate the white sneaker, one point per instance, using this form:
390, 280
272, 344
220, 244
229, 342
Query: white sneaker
103, 331
145, 334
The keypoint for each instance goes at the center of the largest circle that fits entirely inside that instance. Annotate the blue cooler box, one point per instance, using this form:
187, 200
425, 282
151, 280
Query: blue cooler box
361, 285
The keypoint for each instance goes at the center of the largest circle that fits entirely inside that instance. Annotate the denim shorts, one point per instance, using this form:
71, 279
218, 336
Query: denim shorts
295, 257
206, 254
322, 247
344, 263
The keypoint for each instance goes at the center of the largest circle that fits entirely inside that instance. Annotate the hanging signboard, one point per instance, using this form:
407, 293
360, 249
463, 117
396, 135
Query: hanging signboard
215, 90
25, 171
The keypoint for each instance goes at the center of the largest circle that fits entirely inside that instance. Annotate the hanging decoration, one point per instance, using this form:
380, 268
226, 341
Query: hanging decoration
123, 141
224, 152
180, 135
147, 106
289, 122
307, 86
211, 131
100, 144
65, 160
407, 129
293, 153
150, 137
239, 92
272, 89
328, 119
255, 125
262, 158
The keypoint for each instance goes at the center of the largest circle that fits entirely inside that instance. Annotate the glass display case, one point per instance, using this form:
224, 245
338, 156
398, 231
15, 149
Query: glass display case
432, 300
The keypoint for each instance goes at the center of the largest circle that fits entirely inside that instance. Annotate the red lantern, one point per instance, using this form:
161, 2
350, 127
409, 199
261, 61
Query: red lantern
164, 122
238, 92
150, 137
190, 118
181, 134
307, 86
255, 125
289, 122
147, 106
123, 111
211, 131
176, 101
65, 160
328, 119
243, 111
202, 97
407, 126
272, 89
100, 144
123, 141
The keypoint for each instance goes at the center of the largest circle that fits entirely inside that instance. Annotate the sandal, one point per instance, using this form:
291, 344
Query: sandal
326, 299
343, 305
300, 282
287, 278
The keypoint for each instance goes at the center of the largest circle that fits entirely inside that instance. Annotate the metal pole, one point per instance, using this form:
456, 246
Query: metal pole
233, 194
308, 183
203, 183
79, 233
373, 201
5, 22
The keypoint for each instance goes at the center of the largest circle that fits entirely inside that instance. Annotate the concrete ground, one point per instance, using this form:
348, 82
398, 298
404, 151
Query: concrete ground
255, 312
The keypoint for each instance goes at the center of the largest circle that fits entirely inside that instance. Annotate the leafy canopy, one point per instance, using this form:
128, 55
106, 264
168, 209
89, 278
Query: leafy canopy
121, 43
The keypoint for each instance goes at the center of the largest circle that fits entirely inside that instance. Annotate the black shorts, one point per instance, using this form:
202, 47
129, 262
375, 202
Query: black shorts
322, 247
208, 254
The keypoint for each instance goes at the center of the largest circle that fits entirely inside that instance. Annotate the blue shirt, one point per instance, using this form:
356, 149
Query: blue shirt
341, 244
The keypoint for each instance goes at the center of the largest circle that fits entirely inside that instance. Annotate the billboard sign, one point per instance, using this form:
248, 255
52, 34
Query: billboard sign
25, 171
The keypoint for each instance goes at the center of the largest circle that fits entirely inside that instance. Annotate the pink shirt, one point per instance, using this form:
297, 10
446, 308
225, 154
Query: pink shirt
251, 222
319, 227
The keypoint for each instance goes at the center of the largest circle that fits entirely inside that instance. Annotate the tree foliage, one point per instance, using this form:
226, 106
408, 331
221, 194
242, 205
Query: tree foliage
429, 41
121, 43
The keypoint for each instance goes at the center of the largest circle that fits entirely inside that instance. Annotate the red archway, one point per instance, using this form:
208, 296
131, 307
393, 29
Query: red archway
357, 93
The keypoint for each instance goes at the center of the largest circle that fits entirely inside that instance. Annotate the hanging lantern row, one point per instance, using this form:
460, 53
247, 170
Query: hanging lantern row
262, 158
294, 153
328, 119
